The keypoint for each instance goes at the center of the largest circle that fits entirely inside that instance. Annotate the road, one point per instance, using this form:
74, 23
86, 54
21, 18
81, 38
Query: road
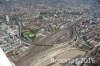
53, 52
52, 37
93, 49
34, 51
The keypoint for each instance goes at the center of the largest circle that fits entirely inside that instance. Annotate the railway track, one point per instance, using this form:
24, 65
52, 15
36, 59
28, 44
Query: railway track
27, 59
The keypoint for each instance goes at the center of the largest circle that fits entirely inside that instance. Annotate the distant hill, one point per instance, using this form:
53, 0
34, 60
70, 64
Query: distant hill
57, 3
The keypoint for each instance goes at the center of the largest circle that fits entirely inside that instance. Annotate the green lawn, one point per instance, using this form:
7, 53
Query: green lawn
30, 35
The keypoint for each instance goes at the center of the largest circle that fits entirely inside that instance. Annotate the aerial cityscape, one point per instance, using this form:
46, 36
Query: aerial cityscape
49, 32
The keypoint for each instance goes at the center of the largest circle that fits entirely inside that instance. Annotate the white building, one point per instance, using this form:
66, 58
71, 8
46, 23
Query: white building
7, 18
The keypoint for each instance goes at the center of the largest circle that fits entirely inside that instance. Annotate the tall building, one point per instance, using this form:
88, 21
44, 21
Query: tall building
7, 19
